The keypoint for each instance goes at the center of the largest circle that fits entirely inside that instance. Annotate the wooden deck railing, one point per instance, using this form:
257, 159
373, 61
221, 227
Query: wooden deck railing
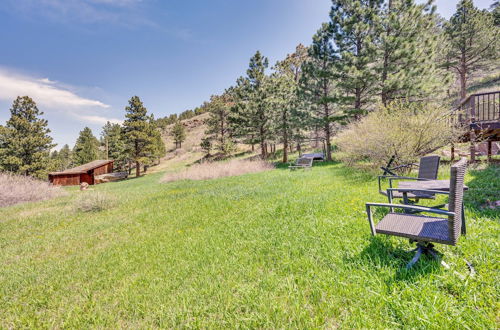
481, 107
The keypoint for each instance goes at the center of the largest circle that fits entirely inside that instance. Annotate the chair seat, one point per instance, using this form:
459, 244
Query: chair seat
416, 227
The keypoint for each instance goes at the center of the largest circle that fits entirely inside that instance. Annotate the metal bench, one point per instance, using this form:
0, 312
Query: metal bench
303, 163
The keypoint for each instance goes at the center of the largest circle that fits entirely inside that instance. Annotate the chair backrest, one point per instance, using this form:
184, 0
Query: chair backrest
428, 167
456, 198
304, 161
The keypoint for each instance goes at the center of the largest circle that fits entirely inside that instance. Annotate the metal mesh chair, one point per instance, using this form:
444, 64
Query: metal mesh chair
422, 229
427, 170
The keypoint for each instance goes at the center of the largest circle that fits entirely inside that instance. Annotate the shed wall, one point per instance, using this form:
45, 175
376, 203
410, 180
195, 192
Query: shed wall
65, 179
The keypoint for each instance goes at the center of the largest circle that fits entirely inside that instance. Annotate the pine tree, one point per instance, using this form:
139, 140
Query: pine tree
354, 34
86, 148
289, 115
65, 157
219, 128
179, 134
24, 141
114, 145
206, 145
136, 133
408, 65
158, 149
317, 85
250, 116
473, 39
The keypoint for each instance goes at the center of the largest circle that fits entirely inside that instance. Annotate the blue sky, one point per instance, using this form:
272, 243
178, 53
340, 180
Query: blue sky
81, 60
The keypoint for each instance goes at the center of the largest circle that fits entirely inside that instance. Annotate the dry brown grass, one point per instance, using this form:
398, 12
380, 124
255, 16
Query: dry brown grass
213, 170
15, 189
90, 201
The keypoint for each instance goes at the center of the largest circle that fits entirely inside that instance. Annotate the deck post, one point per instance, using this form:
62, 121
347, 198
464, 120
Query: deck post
489, 150
472, 146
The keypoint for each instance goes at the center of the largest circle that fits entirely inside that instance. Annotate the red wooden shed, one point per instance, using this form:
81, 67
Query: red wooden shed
82, 173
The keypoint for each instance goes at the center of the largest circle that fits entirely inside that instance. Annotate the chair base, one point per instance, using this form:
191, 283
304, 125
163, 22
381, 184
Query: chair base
428, 249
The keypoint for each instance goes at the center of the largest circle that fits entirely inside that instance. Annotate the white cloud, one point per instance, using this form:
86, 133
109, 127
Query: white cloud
44, 91
100, 120
71, 11
50, 95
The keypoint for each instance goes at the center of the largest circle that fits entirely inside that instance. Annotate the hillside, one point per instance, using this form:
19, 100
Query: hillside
190, 152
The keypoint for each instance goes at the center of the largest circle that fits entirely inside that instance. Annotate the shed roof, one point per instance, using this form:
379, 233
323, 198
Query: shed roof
84, 168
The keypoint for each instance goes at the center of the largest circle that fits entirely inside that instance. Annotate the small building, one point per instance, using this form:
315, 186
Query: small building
83, 173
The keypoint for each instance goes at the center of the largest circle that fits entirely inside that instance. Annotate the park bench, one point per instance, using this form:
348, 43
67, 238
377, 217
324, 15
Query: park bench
303, 163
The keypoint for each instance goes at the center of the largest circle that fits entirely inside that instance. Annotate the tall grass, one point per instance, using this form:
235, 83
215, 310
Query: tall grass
277, 249
215, 170
15, 189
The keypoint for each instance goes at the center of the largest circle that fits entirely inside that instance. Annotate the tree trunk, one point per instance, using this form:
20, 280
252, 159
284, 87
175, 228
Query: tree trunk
263, 145
285, 147
137, 169
384, 93
328, 144
357, 103
463, 84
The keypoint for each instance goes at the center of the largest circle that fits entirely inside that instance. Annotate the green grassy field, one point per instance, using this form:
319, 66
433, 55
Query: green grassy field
274, 249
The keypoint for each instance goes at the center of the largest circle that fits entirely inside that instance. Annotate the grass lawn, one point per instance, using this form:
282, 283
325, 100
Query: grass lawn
273, 249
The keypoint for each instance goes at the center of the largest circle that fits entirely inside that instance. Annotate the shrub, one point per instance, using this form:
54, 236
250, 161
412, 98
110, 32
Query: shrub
406, 130
214, 170
16, 189
91, 201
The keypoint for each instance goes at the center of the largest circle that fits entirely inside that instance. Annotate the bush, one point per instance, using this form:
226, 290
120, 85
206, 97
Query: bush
406, 130
214, 170
91, 201
15, 189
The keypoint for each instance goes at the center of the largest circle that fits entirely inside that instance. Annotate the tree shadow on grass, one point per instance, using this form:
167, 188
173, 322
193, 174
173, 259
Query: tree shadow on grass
382, 253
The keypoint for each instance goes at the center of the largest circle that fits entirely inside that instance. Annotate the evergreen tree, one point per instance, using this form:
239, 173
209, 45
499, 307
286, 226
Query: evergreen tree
317, 85
86, 148
408, 51
206, 145
137, 133
354, 34
157, 147
473, 41
24, 141
250, 117
114, 145
289, 115
218, 125
65, 157
179, 134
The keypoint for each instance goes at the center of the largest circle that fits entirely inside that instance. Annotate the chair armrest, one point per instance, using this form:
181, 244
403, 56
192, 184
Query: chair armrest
411, 207
430, 191
390, 177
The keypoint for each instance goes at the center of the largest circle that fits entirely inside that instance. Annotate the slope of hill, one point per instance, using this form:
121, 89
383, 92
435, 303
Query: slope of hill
190, 151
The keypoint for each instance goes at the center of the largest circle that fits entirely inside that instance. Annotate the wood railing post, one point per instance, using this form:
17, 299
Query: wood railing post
472, 117
489, 150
